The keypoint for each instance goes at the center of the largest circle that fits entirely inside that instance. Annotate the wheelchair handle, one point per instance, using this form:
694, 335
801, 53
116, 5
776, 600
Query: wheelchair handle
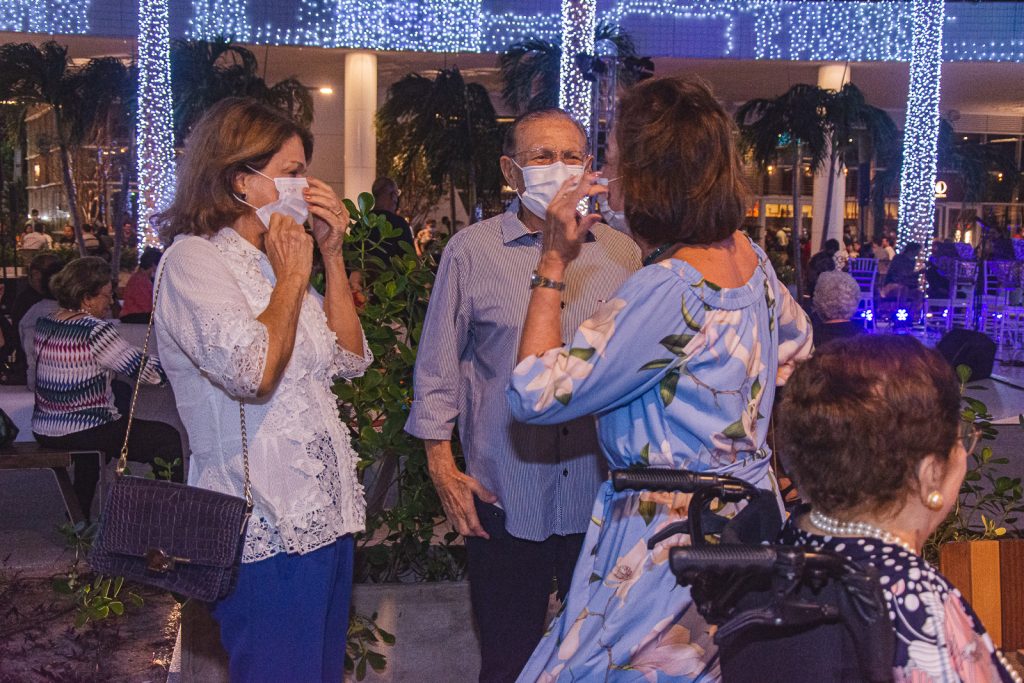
681, 481
719, 558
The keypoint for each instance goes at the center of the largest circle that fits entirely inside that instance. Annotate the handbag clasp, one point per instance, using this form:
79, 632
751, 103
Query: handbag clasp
160, 562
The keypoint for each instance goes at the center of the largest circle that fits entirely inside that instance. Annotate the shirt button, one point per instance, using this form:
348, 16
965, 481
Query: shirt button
563, 304
565, 472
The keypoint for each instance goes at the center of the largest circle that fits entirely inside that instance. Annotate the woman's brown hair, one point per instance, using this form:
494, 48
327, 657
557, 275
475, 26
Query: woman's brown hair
857, 418
681, 172
80, 278
236, 134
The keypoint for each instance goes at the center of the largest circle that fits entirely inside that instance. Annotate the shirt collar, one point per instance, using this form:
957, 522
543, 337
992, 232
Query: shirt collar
513, 229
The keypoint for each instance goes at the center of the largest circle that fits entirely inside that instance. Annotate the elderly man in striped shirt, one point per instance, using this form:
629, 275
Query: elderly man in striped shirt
524, 502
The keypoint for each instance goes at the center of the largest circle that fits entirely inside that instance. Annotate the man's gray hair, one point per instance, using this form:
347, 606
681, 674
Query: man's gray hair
836, 296
510, 143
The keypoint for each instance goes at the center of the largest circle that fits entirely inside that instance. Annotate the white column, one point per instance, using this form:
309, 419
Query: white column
154, 152
575, 93
921, 130
830, 77
360, 132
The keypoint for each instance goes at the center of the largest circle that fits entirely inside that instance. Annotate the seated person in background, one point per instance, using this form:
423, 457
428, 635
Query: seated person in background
43, 267
77, 354
842, 252
67, 235
836, 298
887, 399
138, 293
92, 242
37, 239
385, 203
822, 262
902, 278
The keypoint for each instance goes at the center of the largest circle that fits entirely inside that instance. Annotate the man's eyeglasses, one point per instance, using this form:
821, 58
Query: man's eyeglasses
542, 156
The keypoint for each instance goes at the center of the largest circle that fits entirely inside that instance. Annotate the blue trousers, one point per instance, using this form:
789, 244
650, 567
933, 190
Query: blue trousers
287, 617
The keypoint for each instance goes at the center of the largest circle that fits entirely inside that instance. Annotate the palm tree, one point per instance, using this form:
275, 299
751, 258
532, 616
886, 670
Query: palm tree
204, 72
530, 68
850, 121
445, 128
791, 124
45, 76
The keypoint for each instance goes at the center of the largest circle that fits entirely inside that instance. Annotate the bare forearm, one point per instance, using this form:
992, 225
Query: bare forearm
281, 318
340, 308
542, 329
440, 458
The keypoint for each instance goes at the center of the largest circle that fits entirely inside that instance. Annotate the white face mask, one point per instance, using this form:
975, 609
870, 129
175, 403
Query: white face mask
543, 183
290, 201
613, 219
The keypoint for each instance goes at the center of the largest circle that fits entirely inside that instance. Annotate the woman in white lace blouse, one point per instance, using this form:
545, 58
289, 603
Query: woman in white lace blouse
236, 322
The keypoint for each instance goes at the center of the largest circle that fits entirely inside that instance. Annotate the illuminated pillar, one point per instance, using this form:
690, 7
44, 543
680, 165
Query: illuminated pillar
575, 93
360, 133
830, 77
921, 128
155, 135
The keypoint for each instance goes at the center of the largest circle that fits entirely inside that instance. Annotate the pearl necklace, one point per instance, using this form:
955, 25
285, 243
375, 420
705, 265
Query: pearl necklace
834, 527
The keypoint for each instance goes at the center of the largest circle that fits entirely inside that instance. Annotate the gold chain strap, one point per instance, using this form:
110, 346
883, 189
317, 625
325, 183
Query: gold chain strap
122, 462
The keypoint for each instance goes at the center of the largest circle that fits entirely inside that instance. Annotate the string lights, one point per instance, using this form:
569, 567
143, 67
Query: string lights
921, 132
155, 138
45, 16
576, 93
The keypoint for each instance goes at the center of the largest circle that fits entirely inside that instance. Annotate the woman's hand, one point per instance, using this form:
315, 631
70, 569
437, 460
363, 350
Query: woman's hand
566, 230
328, 217
289, 250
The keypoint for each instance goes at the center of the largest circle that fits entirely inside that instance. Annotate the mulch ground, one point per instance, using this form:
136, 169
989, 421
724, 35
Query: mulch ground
39, 642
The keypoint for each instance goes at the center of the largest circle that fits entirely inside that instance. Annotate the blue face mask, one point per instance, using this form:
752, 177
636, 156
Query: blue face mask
289, 202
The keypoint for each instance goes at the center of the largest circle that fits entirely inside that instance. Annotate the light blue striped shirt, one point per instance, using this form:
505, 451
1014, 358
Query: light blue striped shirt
545, 477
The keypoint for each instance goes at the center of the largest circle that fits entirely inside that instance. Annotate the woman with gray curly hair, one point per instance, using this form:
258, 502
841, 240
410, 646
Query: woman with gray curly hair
836, 297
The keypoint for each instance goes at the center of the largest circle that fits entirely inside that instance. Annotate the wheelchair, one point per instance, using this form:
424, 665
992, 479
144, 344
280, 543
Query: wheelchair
781, 613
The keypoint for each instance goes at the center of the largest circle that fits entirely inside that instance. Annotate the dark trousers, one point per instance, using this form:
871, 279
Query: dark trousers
510, 582
149, 441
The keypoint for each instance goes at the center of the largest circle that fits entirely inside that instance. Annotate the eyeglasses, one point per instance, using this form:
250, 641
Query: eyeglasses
970, 435
541, 156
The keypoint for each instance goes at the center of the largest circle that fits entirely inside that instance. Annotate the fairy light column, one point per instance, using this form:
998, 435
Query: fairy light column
575, 93
921, 130
155, 136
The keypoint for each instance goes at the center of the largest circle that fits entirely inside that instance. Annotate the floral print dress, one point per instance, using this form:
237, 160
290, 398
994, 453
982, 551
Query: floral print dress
680, 373
939, 639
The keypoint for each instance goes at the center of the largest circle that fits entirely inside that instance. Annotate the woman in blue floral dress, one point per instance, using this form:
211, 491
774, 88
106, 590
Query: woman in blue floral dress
680, 368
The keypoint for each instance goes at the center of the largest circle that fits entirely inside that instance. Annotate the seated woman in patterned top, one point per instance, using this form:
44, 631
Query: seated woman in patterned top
77, 353
870, 428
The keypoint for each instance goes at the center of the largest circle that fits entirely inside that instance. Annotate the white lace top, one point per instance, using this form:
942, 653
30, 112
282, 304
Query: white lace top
301, 463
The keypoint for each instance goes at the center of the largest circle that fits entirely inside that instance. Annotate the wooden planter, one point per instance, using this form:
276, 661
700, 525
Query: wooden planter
990, 574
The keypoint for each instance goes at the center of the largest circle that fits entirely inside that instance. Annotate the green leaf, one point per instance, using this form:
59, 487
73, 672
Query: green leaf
582, 354
377, 660
564, 398
647, 510
735, 431
675, 343
668, 387
365, 200
689, 319
755, 390
656, 364
117, 608
594, 577
964, 373
645, 453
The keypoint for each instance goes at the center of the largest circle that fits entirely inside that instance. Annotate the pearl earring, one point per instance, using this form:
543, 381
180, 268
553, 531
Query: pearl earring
934, 500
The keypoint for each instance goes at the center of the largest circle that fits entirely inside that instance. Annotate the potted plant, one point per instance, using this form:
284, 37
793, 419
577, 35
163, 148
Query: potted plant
410, 564
977, 547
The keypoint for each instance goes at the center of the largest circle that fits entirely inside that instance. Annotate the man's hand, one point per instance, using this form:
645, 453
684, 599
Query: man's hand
456, 489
